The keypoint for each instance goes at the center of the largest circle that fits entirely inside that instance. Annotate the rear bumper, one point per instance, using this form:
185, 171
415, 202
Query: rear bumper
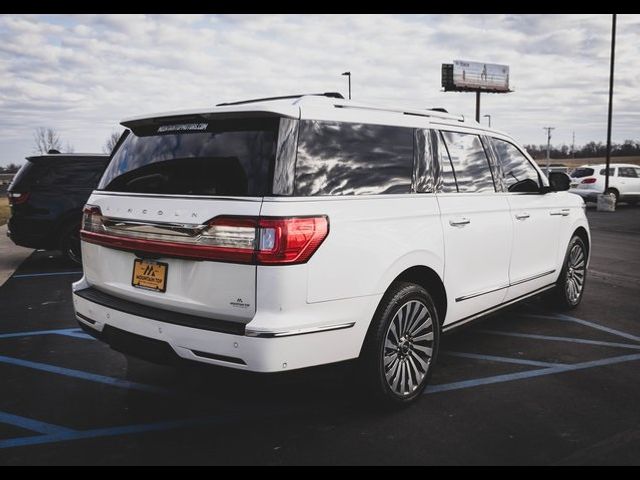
587, 195
271, 351
25, 237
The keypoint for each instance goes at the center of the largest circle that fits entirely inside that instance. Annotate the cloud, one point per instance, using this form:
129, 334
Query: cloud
83, 73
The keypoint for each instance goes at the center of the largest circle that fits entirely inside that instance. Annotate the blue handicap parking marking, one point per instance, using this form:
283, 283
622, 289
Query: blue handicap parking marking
530, 373
33, 425
560, 339
46, 274
81, 374
48, 433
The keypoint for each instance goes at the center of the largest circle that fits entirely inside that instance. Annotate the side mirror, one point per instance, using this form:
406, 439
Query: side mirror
559, 182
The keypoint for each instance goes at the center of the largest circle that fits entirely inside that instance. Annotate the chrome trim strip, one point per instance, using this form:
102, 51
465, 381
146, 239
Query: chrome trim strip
484, 292
464, 321
528, 279
302, 331
167, 195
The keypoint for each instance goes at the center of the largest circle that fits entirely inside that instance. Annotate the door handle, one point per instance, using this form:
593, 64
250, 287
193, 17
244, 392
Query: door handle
522, 216
460, 222
564, 212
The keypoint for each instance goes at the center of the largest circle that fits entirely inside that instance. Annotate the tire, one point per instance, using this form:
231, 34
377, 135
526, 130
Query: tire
406, 329
569, 288
614, 192
69, 242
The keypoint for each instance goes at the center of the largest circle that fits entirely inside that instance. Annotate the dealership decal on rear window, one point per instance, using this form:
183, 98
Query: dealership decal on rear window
183, 127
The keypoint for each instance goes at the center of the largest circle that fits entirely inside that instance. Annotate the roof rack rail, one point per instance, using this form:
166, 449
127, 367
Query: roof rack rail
433, 112
266, 99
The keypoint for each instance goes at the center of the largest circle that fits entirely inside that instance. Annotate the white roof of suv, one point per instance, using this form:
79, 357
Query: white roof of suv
291, 107
612, 165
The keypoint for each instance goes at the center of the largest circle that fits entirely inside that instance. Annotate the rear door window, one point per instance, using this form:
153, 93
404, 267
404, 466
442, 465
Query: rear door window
337, 158
611, 171
221, 158
470, 163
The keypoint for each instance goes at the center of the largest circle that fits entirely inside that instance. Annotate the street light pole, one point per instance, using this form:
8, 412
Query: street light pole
613, 56
548, 129
348, 74
489, 117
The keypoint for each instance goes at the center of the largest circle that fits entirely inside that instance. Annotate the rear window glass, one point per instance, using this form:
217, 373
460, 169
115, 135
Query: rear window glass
336, 158
582, 172
225, 158
62, 172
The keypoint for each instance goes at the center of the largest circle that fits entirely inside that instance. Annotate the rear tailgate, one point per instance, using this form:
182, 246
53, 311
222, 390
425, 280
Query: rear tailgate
157, 200
219, 290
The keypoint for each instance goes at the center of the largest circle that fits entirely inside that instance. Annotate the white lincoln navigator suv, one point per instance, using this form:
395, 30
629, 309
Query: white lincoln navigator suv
283, 233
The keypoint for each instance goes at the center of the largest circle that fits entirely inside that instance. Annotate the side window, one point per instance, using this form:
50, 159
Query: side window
470, 164
628, 172
611, 172
519, 174
336, 158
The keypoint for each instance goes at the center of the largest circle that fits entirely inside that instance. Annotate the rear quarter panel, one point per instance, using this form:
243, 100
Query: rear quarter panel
371, 240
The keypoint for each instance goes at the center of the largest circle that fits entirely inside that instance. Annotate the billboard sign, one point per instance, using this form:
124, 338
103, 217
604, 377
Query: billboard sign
480, 76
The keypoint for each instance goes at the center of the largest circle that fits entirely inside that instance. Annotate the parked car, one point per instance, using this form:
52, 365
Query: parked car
588, 181
280, 234
46, 198
556, 167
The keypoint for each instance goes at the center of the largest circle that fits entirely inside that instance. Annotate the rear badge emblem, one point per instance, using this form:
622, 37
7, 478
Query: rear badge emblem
239, 303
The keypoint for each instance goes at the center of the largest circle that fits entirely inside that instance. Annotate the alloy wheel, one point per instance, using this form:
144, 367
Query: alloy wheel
408, 348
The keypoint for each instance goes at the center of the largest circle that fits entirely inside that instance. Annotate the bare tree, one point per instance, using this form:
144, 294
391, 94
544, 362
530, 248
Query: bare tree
46, 139
111, 142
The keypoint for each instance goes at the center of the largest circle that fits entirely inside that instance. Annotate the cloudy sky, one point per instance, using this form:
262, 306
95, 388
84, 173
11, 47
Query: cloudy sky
83, 74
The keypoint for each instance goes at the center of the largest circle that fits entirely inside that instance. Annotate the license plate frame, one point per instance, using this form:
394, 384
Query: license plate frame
150, 275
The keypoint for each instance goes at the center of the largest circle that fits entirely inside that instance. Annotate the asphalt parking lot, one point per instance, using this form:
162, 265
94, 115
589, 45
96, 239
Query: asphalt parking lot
525, 386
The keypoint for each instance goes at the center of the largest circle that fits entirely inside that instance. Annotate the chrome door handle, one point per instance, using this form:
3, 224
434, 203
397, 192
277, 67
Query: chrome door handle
522, 216
564, 212
460, 223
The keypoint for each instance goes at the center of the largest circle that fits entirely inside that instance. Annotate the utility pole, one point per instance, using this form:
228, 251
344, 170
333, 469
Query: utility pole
548, 129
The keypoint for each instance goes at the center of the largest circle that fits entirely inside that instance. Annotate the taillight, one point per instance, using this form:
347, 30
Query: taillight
250, 240
589, 180
290, 240
91, 219
16, 198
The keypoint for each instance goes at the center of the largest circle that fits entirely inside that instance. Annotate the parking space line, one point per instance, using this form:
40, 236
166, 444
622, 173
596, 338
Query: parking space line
597, 326
68, 332
92, 377
75, 333
445, 387
45, 274
561, 339
113, 431
33, 425
493, 358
